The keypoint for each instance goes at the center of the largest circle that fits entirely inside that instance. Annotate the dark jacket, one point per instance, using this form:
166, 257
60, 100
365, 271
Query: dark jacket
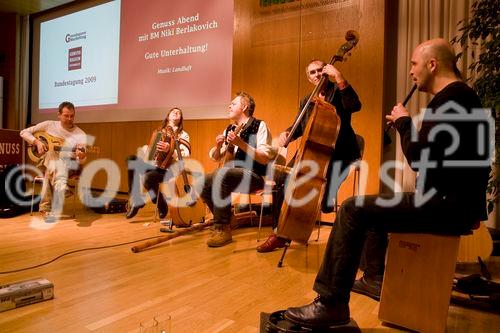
346, 102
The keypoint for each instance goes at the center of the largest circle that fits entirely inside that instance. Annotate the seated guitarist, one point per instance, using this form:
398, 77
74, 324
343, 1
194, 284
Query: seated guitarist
59, 165
252, 151
154, 175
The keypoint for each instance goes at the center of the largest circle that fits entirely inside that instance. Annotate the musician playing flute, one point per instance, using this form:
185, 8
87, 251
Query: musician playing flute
153, 175
58, 166
252, 151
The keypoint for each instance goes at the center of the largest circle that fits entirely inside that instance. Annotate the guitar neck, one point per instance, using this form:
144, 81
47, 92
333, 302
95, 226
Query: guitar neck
59, 148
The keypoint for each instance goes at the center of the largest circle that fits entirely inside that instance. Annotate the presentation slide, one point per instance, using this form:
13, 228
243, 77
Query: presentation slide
78, 59
128, 60
182, 53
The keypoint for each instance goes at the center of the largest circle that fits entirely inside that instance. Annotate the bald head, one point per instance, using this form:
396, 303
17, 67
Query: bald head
440, 50
433, 65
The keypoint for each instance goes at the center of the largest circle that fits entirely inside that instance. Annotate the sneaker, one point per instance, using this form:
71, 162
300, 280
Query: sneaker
48, 217
220, 236
272, 243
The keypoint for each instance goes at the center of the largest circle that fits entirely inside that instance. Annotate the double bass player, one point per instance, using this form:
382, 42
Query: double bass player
342, 95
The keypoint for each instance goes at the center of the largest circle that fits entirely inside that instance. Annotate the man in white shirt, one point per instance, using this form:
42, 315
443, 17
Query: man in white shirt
252, 151
58, 165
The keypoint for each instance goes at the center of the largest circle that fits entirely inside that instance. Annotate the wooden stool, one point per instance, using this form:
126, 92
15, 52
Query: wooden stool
418, 280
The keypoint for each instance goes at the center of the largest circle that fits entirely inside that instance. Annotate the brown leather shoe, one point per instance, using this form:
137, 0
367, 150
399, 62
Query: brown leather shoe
272, 242
319, 314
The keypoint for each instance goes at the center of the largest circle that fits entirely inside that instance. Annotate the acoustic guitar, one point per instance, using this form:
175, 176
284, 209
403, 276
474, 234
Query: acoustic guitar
227, 150
479, 244
185, 207
52, 143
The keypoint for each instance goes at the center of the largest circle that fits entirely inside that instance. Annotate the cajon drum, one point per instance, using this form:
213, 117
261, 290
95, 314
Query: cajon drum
418, 279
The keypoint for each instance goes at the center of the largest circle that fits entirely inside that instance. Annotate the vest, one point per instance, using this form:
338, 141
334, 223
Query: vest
249, 135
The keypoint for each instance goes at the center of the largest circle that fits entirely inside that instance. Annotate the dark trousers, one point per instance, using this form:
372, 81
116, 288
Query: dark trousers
219, 185
373, 256
152, 177
343, 251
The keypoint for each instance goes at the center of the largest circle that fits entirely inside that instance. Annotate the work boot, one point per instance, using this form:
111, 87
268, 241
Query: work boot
220, 236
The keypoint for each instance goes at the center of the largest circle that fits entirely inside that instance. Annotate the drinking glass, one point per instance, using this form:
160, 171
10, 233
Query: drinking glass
164, 323
148, 326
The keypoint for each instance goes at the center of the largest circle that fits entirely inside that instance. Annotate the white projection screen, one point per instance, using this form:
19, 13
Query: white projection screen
129, 60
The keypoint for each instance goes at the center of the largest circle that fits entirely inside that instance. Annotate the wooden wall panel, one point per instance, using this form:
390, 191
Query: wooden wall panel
126, 139
100, 133
274, 44
207, 131
266, 65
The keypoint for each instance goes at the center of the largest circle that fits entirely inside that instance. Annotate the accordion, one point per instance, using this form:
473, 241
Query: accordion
161, 159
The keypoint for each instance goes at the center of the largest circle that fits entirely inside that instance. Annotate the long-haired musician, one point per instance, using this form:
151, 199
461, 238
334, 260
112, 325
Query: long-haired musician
59, 166
252, 150
153, 172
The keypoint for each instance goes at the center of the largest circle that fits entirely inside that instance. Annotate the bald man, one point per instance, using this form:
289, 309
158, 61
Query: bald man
449, 180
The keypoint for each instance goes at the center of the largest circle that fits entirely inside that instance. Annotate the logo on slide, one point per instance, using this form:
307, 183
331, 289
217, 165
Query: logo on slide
75, 36
75, 58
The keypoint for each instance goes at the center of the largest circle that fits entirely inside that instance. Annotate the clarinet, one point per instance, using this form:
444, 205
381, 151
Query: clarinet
387, 139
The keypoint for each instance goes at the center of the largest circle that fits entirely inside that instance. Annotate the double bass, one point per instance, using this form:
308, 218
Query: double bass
307, 180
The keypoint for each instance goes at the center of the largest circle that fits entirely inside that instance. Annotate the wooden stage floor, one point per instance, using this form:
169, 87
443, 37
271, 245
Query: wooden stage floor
203, 289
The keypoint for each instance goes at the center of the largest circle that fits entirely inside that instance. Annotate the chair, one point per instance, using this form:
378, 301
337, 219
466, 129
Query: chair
41, 180
355, 169
265, 192
270, 184
36, 179
356, 165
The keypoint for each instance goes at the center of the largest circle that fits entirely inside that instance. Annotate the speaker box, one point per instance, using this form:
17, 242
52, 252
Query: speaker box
102, 206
